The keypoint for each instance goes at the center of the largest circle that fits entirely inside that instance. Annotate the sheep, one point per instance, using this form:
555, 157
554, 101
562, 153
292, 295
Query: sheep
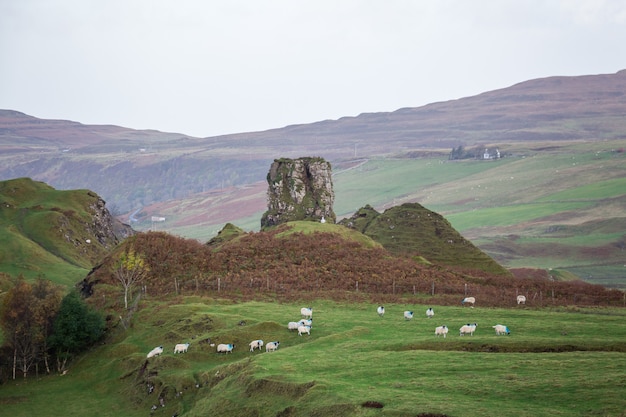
521, 299
430, 313
225, 348
272, 346
381, 310
501, 329
155, 352
306, 322
292, 325
468, 328
256, 344
469, 300
306, 312
408, 315
181, 348
304, 329
441, 330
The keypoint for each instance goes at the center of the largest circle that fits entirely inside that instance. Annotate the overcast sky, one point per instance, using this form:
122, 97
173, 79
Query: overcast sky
209, 67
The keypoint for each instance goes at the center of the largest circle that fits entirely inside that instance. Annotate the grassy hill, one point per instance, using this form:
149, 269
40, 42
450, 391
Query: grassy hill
59, 235
562, 359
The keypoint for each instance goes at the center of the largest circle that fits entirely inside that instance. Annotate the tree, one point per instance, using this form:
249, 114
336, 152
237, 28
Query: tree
130, 270
75, 328
47, 297
28, 311
18, 324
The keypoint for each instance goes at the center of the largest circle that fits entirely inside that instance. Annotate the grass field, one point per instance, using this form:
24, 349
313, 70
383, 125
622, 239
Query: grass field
556, 362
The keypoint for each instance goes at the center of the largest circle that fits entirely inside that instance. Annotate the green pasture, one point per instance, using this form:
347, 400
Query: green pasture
556, 362
510, 215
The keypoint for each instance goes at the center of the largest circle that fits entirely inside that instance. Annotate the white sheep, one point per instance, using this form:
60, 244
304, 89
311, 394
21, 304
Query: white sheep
408, 315
430, 313
469, 300
256, 344
225, 348
306, 312
501, 329
468, 328
292, 325
381, 311
271, 346
181, 348
155, 352
306, 322
441, 330
304, 329
521, 299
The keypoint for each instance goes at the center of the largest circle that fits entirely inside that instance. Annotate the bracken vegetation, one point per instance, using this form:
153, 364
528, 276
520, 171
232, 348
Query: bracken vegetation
324, 265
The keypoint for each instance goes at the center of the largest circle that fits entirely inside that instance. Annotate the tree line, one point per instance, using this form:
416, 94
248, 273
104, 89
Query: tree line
43, 328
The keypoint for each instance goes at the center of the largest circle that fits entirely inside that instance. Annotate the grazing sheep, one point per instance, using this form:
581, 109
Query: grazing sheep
155, 352
306, 322
381, 311
292, 325
181, 348
469, 300
468, 328
408, 315
272, 346
256, 344
501, 329
225, 348
304, 329
521, 299
441, 330
430, 313
306, 312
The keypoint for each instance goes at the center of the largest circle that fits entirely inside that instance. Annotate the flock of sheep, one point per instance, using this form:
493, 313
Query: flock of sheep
304, 325
468, 328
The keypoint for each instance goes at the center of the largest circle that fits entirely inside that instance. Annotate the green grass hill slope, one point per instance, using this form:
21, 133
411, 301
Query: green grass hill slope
59, 235
354, 363
412, 230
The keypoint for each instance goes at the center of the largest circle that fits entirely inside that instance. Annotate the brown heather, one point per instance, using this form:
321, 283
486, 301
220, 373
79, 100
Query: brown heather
263, 265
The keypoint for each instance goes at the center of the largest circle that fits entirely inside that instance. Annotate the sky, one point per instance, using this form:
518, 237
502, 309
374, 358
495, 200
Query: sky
212, 67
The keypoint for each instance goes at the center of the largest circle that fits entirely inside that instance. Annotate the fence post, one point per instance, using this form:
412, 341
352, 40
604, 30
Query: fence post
432, 289
357, 286
219, 284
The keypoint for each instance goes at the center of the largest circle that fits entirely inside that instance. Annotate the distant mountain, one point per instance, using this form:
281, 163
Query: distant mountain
132, 169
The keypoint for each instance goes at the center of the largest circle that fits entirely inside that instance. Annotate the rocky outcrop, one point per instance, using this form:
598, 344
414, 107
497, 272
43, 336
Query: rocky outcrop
299, 189
108, 230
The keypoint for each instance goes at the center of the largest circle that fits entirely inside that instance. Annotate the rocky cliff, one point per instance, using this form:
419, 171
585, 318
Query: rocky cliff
299, 189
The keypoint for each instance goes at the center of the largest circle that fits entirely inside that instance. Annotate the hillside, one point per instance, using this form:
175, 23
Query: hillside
132, 169
55, 234
412, 230
309, 260
550, 202
242, 286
